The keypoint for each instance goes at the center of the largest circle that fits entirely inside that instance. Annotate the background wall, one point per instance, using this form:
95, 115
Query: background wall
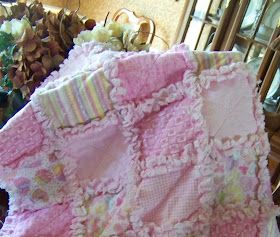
167, 14
57, 3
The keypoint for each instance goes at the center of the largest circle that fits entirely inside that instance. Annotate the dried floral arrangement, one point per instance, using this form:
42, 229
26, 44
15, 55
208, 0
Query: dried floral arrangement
117, 36
33, 42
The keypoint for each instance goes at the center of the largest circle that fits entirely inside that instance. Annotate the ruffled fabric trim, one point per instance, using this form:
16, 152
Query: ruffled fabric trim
103, 186
257, 142
111, 118
131, 113
262, 209
186, 89
47, 128
251, 212
223, 73
229, 73
46, 148
112, 73
188, 55
77, 194
242, 211
77, 197
204, 163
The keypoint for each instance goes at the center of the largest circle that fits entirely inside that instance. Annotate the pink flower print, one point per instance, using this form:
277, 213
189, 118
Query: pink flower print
243, 169
119, 202
23, 185
43, 176
40, 195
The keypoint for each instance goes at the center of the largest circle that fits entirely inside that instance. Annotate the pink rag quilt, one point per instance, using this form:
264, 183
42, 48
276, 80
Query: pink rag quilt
138, 145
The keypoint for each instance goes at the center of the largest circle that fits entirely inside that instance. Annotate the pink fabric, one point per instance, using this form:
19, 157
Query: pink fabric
236, 227
156, 208
94, 157
168, 131
165, 161
138, 74
26, 134
223, 114
49, 222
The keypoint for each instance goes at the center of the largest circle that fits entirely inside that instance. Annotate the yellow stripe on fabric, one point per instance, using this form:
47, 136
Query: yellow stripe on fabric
197, 60
52, 105
237, 57
76, 85
101, 90
71, 96
54, 109
60, 103
85, 96
59, 99
47, 106
219, 57
212, 60
86, 99
106, 84
94, 95
73, 99
200, 59
226, 59
216, 59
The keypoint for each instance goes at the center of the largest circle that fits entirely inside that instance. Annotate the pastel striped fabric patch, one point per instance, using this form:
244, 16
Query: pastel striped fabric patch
216, 59
85, 96
78, 100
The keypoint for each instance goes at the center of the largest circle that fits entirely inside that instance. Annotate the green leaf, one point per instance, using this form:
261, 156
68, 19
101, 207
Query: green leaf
6, 82
8, 57
6, 40
7, 61
10, 50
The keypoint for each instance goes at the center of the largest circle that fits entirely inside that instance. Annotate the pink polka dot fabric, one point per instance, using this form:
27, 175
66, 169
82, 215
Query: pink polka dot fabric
181, 153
